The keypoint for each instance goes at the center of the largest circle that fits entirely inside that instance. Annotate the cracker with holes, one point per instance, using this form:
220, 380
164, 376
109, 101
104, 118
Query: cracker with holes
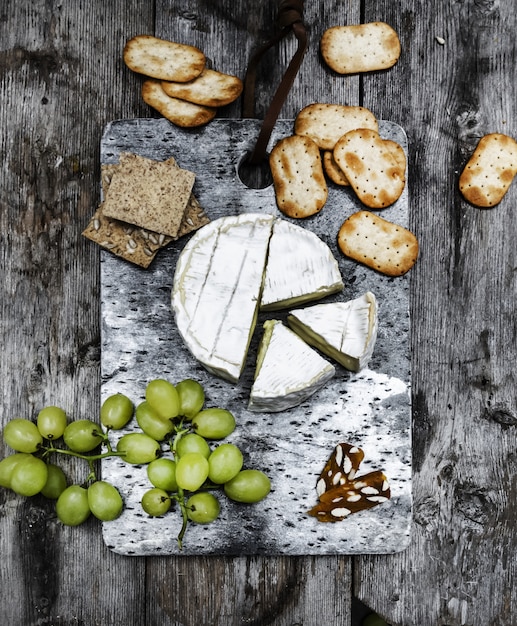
179, 112
326, 123
162, 59
375, 167
360, 48
210, 88
490, 170
332, 169
378, 243
298, 178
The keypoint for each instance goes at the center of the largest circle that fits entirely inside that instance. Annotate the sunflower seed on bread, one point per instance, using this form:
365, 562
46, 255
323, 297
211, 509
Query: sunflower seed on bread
377, 176
179, 112
210, 88
360, 47
298, 178
490, 170
165, 60
326, 123
378, 243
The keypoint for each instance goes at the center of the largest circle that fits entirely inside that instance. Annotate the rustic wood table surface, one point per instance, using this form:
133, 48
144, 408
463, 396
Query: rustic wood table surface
62, 80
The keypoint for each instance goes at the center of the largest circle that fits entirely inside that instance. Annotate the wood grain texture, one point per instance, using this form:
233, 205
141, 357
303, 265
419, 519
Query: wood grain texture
463, 295
61, 80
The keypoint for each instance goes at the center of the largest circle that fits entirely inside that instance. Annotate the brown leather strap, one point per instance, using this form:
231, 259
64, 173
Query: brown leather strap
289, 19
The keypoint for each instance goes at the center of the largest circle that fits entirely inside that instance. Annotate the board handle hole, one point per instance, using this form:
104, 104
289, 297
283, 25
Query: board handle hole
254, 175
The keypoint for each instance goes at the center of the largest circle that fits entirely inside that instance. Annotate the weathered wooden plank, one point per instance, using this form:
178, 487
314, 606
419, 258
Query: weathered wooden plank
250, 587
460, 567
62, 79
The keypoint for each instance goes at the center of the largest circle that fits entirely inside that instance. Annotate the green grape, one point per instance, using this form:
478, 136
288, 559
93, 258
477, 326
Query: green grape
203, 507
51, 422
152, 423
249, 486
104, 500
156, 502
224, 463
22, 435
192, 397
116, 411
192, 443
56, 482
72, 506
162, 474
139, 448
163, 397
8, 464
191, 471
29, 476
214, 423
82, 436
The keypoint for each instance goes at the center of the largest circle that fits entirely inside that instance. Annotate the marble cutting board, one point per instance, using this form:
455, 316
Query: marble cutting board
371, 409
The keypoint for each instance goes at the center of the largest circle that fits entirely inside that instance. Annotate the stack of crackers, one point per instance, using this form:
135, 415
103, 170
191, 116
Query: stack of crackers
178, 84
146, 205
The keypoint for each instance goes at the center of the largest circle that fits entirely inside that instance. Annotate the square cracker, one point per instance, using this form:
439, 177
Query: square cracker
134, 244
150, 194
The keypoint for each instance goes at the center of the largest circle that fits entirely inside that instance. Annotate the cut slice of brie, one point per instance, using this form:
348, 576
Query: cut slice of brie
300, 268
345, 331
288, 370
216, 292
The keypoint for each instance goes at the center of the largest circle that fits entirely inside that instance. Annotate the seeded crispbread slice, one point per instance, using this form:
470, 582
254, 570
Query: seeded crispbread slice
137, 245
210, 88
490, 170
165, 60
326, 123
300, 185
150, 194
179, 112
377, 176
360, 47
382, 245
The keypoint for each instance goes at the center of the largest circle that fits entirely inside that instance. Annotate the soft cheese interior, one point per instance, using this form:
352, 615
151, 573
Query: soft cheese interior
235, 265
288, 370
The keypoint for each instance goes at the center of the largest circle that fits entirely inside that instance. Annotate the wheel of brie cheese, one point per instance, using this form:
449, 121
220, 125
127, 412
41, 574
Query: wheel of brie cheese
288, 370
344, 331
231, 268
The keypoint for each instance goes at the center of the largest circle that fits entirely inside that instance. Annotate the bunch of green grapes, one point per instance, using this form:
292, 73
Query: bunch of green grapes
171, 415
175, 413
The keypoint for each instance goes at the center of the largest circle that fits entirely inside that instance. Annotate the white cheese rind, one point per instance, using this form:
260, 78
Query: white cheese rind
300, 268
290, 372
345, 331
216, 290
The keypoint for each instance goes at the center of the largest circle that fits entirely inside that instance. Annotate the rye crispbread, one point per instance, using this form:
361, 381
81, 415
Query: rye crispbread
490, 170
179, 112
300, 185
210, 88
377, 176
326, 123
360, 47
164, 60
378, 243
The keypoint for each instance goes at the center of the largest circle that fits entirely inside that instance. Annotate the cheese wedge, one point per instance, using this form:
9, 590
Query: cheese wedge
216, 291
288, 370
344, 331
300, 268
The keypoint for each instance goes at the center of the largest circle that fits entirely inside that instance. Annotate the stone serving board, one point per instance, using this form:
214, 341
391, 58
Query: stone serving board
370, 409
